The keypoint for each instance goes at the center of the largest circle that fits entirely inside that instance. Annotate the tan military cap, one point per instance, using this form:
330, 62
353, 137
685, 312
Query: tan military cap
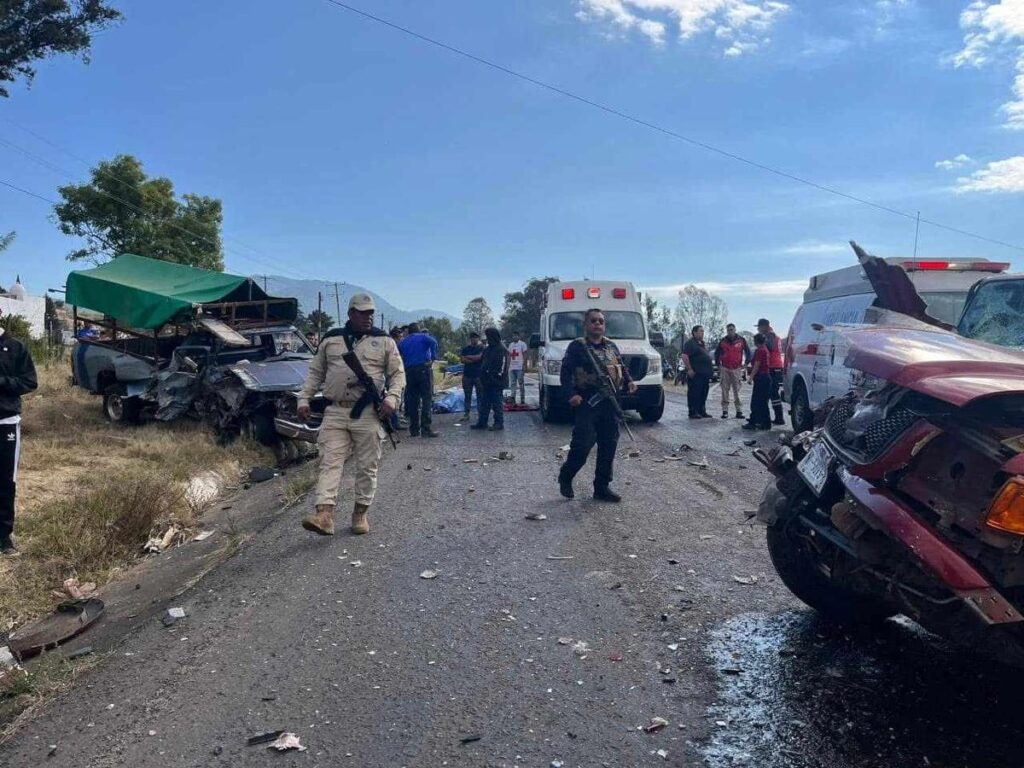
361, 302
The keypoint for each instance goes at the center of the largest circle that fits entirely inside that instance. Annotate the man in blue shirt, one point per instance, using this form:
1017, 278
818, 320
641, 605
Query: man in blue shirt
419, 351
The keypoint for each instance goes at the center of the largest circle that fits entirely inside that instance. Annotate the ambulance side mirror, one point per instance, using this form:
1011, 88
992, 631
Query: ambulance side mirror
535, 341
657, 339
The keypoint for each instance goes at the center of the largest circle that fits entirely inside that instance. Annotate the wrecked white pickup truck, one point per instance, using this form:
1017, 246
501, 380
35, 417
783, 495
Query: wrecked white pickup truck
167, 341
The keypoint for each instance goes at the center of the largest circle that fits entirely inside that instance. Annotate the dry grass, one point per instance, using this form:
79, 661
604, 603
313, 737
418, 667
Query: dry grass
90, 493
299, 483
24, 691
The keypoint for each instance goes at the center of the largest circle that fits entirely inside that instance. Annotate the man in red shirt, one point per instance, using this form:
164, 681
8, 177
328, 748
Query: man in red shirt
773, 345
731, 355
760, 417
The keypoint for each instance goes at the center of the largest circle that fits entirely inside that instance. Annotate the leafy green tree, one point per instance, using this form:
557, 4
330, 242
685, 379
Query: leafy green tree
121, 210
699, 307
16, 326
32, 30
6, 240
319, 321
523, 308
449, 340
477, 315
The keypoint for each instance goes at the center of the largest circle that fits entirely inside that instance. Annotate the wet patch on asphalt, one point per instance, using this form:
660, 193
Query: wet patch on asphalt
797, 692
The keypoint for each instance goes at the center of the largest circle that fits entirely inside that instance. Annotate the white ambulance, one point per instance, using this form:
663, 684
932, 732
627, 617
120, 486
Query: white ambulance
562, 322
815, 356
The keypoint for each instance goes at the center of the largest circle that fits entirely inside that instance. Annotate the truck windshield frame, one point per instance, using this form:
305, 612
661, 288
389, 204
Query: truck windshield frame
620, 324
995, 313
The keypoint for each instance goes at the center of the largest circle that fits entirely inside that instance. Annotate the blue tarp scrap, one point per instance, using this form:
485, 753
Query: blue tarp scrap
452, 401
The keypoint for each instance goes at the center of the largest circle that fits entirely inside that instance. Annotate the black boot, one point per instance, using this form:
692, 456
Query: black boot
606, 494
565, 488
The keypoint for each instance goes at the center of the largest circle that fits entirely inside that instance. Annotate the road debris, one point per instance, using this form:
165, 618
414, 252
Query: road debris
750, 442
470, 739
536, 516
68, 619
173, 614
79, 653
634, 454
263, 738
663, 754
356, 563
202, 536
471, 461
428, 574
581, 649
565, 641
673, 646
557, 764
656, 724
505, 456
673, 458
735, 452
702, 464
615, 657
261, 474
7, 660
159, 544
747, 580
285, 742
683, 448
78, 591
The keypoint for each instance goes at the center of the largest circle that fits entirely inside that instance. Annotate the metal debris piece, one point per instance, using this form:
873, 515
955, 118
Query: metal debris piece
202, 536
747, 580
471, 461
536, 516
656, 724
285, 742
69, 619
565, 641
560, 557
263, 738
470, 739
702, 464
428, 575
261, 474
673, 458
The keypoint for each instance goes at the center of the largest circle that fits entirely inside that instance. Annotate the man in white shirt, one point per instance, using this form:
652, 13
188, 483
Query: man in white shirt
517, 367
17, 378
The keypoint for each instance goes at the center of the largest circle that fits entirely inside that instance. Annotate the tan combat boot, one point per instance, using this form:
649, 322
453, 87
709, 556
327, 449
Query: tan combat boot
360, 523
322, 522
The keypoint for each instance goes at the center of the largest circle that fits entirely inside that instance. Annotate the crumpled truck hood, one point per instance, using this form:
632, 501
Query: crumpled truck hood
935, 362
273, 375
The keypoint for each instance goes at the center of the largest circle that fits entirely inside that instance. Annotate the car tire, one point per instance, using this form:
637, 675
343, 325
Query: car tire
118, 409
654, 413
801, 415
260, 428
799, 571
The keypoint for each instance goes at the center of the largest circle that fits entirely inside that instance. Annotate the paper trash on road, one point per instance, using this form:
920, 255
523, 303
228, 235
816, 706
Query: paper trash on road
285, 742
662, 754
429, 575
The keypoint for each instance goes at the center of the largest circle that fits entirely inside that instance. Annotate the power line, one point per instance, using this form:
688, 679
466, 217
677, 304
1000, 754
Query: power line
661, 129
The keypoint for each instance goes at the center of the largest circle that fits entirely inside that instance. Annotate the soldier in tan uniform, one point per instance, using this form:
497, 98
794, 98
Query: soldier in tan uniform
341, 434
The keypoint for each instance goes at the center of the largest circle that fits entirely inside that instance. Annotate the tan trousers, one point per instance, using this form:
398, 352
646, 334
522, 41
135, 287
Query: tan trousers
342, 436
729, 378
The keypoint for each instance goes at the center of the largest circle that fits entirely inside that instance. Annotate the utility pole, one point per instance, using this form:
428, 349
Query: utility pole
337, 301
319, 311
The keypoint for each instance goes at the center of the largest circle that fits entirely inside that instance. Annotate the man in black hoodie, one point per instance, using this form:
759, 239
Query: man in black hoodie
17, 377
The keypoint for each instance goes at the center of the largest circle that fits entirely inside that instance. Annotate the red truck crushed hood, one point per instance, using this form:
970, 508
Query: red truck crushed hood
935, 362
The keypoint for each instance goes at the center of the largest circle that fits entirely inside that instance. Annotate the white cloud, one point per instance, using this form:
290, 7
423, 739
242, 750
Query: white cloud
765, 289
991, 30
815, 248
957, 162
1000, 176
741, 24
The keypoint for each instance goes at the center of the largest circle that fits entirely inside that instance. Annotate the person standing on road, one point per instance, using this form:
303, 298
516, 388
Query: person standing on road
517, 367
471, 355
732, 355
773, 344
699, 370
760, 416
493, 381
594, 422
419, 351
351, 426
17, 378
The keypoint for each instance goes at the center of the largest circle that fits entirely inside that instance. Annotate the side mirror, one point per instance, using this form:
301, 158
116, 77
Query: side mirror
657, 339
535, 341
817, 327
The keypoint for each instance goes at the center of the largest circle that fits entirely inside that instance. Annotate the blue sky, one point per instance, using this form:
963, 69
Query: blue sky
344, 150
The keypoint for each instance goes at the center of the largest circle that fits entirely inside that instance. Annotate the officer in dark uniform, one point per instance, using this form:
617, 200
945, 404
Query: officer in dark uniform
595, 422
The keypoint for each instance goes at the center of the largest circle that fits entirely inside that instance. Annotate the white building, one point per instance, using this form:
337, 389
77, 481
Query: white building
17, 301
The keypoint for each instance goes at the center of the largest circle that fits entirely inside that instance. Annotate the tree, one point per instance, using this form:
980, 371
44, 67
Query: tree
32, 30
477, 315
650, 309
698, 307
6, 240
523, 308
121, 210
319, 322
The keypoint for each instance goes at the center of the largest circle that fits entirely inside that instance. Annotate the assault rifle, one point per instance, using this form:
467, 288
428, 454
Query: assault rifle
370, 396
606, 389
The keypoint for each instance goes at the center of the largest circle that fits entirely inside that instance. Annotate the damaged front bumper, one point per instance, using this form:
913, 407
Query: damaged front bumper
293, 429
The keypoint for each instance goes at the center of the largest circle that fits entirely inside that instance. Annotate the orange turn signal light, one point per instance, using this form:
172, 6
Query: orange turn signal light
1006, 512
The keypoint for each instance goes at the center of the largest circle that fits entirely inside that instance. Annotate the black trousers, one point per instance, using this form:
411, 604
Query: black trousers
594, 424
468, 385
760, 414
419, 396
697, 394
777, 375
10, 446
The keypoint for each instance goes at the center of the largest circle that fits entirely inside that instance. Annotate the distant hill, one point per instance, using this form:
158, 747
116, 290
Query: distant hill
305, 291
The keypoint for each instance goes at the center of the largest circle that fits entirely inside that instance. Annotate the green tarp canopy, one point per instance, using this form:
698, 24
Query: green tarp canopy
148, 293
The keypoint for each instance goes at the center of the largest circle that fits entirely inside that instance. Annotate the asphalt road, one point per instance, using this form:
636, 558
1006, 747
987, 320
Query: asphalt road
341, 642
